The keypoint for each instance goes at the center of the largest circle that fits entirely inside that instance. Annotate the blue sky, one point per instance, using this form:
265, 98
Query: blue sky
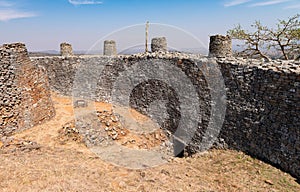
44, 24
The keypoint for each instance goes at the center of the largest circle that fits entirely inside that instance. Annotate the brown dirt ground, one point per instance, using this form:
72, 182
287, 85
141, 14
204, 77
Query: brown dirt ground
37, 160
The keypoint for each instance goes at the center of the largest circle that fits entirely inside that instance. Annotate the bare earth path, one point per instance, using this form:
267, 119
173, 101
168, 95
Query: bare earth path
37, 160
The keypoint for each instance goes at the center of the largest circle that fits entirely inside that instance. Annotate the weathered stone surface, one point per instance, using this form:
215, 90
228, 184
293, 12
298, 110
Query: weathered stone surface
110, 48
24, 91
159, 44
66, 50
263, 99
220, 46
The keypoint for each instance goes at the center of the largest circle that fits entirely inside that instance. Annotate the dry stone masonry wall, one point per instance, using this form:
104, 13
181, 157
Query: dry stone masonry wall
10, 97
25, 94
263, 110
263, 99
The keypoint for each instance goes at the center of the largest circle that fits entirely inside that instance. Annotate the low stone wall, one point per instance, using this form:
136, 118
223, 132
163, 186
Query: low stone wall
24, 91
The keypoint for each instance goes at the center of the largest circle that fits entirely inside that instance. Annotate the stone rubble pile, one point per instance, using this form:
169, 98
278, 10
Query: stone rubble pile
11, 145
107, 129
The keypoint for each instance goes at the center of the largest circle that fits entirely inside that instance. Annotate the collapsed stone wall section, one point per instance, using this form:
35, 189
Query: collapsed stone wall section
25, 93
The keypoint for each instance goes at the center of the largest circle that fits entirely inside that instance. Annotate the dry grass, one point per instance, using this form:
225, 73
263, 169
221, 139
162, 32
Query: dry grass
72, 167
70, 170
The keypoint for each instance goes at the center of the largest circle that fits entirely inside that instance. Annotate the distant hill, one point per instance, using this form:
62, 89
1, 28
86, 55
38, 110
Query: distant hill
129, 51
44, 53
141, 49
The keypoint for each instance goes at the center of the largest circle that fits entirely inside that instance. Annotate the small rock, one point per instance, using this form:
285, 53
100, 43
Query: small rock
188, 160
114, 119
165, 172
142, 174
123, 133
157, 136
115, 137
269, 182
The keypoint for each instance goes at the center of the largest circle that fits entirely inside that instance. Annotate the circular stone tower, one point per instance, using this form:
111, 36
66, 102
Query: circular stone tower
159, 44
66, 49
110, 48
220, 46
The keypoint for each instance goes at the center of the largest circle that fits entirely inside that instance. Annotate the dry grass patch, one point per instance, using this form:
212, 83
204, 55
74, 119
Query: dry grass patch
67, 165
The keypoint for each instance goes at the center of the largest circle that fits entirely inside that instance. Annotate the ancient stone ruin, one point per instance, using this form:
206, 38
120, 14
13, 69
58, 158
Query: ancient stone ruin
25, 92
159, 44
110, 48
220, 46
66, 50
262, 98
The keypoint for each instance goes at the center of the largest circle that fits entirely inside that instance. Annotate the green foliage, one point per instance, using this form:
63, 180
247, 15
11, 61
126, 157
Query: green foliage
284, 39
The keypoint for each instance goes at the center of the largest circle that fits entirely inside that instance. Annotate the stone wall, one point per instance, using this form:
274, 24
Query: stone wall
62, 72
25, 94
263, 99
263, 110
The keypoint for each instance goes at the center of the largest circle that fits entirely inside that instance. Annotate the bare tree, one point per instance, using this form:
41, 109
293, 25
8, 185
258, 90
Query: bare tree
284, 39
253, 41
